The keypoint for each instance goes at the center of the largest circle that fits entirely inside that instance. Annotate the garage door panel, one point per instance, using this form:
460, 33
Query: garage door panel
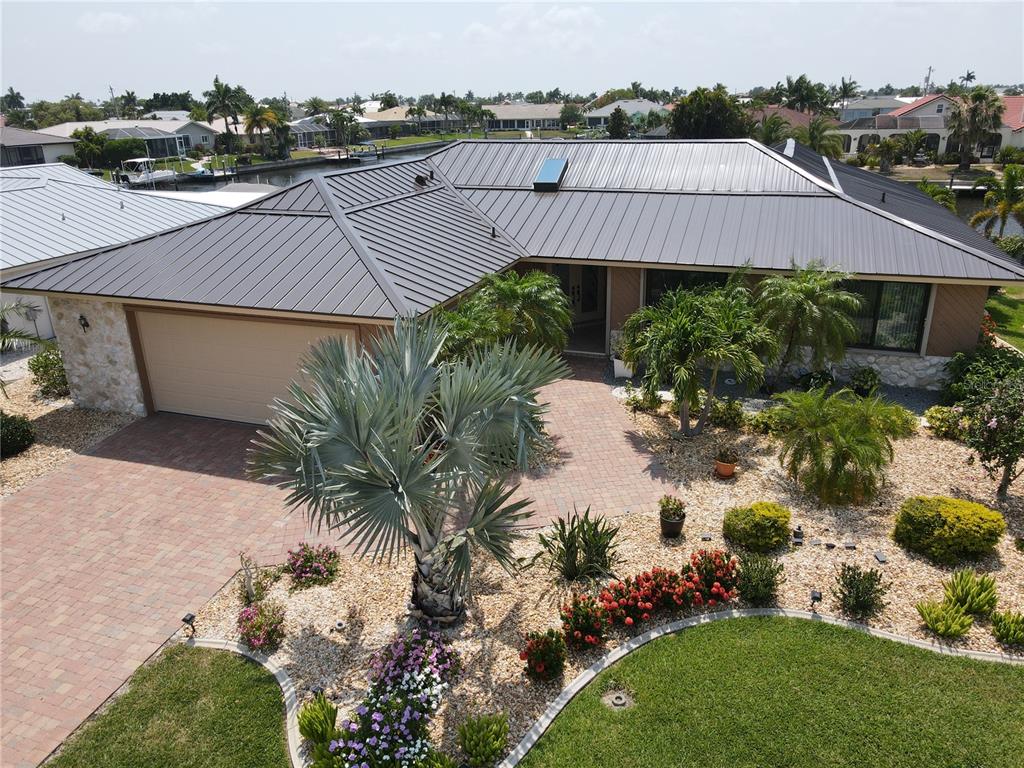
223, 367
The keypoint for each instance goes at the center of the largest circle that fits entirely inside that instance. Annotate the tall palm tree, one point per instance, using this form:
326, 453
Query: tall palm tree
1004, 199
967, 78
847, 90
689, 336
259, 120
445, 104
398, 452
13, 338
417, 113
314, 105
820, 136
130, 105
772, 129
808, 308
972, 118
342, 123
12, 100
224, 101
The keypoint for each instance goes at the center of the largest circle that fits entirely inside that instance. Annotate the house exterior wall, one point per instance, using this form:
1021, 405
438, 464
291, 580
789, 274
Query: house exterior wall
626, 294
99, 362
40, 325
956, 318
53, 152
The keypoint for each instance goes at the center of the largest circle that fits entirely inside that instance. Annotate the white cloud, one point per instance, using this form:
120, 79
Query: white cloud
106, 23
522, 27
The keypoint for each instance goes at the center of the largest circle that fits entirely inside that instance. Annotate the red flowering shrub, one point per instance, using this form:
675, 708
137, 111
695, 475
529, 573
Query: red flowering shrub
544, 654
714, 576
635, 599
583, 622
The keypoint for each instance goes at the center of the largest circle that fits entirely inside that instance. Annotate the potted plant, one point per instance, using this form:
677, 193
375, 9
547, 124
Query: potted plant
672, 513
621, 370
725, 461
864, 381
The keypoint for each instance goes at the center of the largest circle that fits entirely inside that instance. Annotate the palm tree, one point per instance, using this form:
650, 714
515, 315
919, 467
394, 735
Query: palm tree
445, 104
887, 151
342, 122
911, 143
399, 452
89, 145
1004, 198
259, 120
689, 336
773, 129
847, 90
820, 136
129, 105
940, 193
223, 100
314, 105
972, 118
417, 113
198, 112
12, 100
12, 338
967, 78
808, 309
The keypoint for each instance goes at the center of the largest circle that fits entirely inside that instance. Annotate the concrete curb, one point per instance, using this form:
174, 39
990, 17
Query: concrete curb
291, 704
585, 677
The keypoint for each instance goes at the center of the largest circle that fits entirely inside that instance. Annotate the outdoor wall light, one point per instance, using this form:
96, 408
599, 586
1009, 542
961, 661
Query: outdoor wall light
83, 322
189, 620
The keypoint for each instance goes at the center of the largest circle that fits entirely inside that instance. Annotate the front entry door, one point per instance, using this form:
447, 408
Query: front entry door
583, 285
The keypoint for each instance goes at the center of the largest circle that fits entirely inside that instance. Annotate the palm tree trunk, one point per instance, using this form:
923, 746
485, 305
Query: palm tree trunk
965, 156
684, 415
786, 359
706, 411
434, 598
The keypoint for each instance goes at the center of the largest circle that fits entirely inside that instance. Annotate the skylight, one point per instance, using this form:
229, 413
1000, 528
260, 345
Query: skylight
549, 177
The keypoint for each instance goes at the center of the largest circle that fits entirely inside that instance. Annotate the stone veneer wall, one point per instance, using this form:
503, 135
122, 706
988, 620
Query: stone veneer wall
921, 371
99, 362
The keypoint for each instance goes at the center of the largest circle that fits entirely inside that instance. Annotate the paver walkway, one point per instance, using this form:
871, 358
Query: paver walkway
101, 558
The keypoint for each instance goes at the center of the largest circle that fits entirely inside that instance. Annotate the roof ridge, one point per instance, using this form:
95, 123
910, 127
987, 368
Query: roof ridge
372, 266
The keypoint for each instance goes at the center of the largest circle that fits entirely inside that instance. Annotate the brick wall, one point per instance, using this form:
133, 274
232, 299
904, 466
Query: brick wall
625, 299
956, 318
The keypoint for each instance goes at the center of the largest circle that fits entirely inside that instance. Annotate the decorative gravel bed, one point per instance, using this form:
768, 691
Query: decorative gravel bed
370, 598
62, 429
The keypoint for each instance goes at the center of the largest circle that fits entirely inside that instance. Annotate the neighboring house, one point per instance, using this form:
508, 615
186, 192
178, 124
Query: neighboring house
52, 213
598, 118
930, 114
165, 134
21, 147
211, 318
378, 124
524, 116
795, 118
869, 106
308, 129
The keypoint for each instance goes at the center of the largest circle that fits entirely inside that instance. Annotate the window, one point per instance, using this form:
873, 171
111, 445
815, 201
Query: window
892, 315
661, 281
939, 108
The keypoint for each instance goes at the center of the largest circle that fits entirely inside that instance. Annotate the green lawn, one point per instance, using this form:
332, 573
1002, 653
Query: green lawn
191, 708
1007, 309
788, 692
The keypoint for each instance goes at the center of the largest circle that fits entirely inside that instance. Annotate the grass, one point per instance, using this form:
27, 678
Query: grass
1007, 309
940, 173
773, 692
191, 708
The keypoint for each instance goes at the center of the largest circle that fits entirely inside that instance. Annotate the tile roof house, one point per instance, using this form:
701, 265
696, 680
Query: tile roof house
21, 147
212, 317
51, 213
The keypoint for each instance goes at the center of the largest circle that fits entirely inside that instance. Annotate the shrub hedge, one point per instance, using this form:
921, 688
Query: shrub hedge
760, 527
47, 367
16, 434
947, 530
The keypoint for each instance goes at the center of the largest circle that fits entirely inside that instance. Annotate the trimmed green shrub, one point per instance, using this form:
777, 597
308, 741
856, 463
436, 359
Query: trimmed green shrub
761, 527
47, 367
947, 530
317, 719
945, 619
727, 414
765, 422
760, 577
16, 434
859, 591
973, 375
483, 739
975, 594
947, 421
864, 381
1008, 627
580, 548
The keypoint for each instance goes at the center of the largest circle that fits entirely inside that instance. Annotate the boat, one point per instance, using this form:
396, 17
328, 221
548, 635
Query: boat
139, 171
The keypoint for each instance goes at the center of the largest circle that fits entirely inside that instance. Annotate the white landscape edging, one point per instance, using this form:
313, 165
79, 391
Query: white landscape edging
291, 703
587, 675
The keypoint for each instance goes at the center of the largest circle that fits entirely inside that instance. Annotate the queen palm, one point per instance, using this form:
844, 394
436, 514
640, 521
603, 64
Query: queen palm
258, 120
224, 101
972, 118
1003, 200
314, 105
774, 128
808, 309
847, 90
820, 136
398, 452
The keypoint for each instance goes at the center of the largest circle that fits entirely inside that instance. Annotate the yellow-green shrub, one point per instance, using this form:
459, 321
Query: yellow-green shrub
947, 530
761, 527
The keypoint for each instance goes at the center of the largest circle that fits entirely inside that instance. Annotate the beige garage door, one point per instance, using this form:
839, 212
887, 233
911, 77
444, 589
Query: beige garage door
222, 367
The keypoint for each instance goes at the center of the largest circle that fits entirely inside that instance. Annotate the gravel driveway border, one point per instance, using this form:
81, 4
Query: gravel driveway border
585, 677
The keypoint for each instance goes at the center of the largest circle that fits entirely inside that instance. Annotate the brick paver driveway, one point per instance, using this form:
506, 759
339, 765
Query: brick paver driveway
101, 558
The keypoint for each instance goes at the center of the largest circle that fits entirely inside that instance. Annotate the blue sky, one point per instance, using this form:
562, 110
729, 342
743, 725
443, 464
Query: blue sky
335, 49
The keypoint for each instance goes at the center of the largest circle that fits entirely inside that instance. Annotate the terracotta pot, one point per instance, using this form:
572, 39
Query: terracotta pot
724, 470
671, 529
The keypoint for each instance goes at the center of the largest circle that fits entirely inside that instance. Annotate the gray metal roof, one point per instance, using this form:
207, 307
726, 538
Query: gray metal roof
137, 132
19, 137
52, 210
629, 106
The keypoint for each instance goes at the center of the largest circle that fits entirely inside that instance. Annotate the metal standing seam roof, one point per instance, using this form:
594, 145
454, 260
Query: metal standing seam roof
53, 210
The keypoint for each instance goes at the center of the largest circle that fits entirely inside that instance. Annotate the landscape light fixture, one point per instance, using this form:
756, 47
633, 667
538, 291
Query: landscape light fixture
798, 536
83, 322
815, 599
189, 620
880, 556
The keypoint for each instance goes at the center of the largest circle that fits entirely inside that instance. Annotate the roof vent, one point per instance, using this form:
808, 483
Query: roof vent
883, 197
549, 177
421, 180
431, 174
122, 205
494, 232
